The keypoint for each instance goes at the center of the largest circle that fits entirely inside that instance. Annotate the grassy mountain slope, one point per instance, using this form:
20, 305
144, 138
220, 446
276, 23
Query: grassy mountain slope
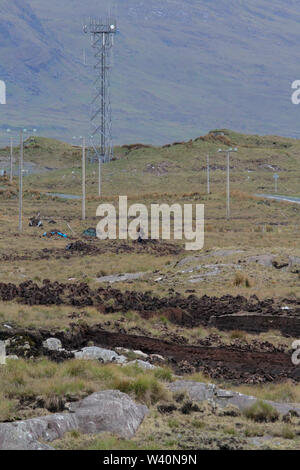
181, 68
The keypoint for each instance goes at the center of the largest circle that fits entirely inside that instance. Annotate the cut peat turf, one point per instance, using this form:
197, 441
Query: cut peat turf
221, 363
225, 313
90, 248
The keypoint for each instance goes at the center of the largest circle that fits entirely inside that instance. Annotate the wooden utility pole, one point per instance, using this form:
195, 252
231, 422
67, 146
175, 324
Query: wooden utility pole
228, 187
21, 182
83, 179
208, 182
11, 160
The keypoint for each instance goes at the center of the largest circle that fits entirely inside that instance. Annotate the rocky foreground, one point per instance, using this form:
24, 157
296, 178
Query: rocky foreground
115, 412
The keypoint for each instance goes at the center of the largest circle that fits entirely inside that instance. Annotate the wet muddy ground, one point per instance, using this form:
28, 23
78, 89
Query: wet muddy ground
238, 363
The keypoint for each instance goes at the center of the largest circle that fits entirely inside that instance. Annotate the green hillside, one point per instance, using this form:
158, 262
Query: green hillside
140, 170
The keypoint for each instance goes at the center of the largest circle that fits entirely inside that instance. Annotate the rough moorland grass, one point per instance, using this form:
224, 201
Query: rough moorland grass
241, 279
254, 431
105, 441
8, 407
287, 432
51, 382
239, 233
261, 412
282, 392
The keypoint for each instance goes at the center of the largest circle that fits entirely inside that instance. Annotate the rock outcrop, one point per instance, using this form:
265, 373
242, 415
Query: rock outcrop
110, 411
198, 391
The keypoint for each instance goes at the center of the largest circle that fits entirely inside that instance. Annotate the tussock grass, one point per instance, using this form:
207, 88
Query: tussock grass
253, 431
112, 443
8, 408
287, 432
262, 412
199, 377
52, 383
196, 423
173, 423
237, 334
285, 392
105, 441
241, 279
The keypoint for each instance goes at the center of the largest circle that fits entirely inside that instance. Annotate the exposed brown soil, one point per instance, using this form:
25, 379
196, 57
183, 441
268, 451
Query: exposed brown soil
94, 248
233, 363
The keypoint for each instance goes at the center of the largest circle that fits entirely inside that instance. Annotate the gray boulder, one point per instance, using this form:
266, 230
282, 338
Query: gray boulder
157, 358
24, 435
96, 353
141, 354
109, 410
121, 277
199, 391
142, 364
52, 344
112, 412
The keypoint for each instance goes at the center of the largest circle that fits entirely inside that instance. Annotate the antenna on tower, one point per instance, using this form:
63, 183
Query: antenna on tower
102, 33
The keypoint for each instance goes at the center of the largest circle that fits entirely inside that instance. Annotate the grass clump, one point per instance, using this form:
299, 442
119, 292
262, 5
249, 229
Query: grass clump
237, 334
286, 432
254, 431
8, 408
146, 389
262, 412
163, 373
241, 280
173, 423
230, 431
197, 424
200, 377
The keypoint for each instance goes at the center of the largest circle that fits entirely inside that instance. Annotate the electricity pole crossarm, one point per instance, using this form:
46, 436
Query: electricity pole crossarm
228, 152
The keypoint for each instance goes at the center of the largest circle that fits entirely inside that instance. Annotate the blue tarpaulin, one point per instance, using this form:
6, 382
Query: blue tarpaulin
50, 234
